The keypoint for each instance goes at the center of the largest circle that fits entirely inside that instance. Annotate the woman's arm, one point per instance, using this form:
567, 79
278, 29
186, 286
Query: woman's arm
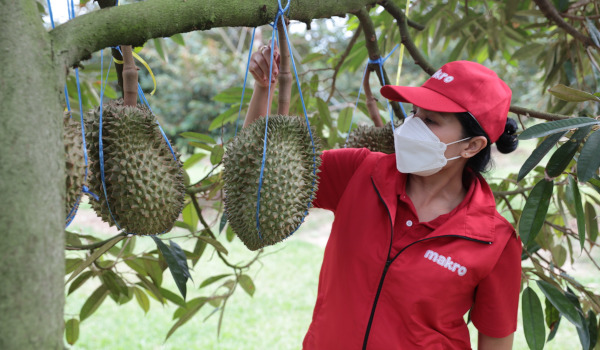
485, 342
259, 68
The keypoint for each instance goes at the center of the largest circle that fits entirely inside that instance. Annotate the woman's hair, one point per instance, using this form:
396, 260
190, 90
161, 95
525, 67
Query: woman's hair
507, 142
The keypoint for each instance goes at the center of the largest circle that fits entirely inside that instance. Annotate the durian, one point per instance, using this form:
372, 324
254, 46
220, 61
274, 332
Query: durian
75, 163
376, 139
144, 182
290, 179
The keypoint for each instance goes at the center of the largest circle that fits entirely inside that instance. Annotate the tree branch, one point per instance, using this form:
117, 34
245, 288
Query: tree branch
537, 114
134, 24
371, 102
374, 54
552, 14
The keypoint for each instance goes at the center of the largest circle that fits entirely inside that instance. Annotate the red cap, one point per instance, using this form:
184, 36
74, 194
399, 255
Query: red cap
461, 86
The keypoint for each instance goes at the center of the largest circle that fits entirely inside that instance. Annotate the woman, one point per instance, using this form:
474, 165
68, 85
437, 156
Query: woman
417, 242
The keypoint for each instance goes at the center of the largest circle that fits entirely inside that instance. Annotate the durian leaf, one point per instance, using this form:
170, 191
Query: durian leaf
324, 112
198, 251
560, 159
79, 281
198, 137
142, 299
344, 119
552, 315
223, 222
591, 222
572, 95
178, 38
72, 331
228, 116
560, 301
177, 265
246, 282
216, 155
216, 244
172, 297
579, 210
154, 270
549, 128
534, 211
93, 302
233, 95
200, 145
533, 319
230, 234
187, 315
314, 56
588, 161
158, 45
137, 266
593, 328
71, 265
95, 256
144, 282
538, 153
213, 279
190, 217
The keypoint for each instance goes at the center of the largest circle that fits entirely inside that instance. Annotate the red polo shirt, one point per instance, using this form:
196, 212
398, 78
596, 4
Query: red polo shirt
390, 282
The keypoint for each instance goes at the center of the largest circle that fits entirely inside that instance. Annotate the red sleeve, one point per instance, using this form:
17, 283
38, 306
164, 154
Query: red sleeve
496, 306
336, 170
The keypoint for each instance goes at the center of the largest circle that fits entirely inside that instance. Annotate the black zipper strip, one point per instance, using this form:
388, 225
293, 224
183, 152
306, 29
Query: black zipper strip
389, 262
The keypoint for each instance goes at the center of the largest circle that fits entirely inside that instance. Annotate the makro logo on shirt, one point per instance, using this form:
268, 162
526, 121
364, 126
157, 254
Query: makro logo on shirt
440, 75
446, 262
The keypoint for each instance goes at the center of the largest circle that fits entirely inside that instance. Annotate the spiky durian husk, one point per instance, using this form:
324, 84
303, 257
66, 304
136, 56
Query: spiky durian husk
144, 183
290, 179
75, 162
376, 139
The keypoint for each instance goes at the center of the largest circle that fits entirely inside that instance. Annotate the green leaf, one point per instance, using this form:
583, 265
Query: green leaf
71, 265
233, 95
544, 129
177, 263
344, 119
142, 299
578, 210
229, 234
311, 57
95, 256
591, 222
192, 160
172, 297
154, 270
216, 244
229, 116
137, 266
324, 112
589, 161
246, 282
93, 302
213, 279
223, 222
533, 319
178, 38
79, 281
538, 154
190, 217
560, 301
572, 95
198, 251
593, 328
559, 161
594, 33
216, 155
72, 331
534, 211
144, 282
187, 315
559, 254
198, 137
158, 45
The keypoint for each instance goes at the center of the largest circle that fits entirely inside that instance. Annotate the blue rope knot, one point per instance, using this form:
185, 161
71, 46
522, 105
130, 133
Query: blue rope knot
87, 191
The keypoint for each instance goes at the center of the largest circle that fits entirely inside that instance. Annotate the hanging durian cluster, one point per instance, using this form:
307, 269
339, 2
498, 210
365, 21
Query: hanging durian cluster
376, 139
144, 182
289, 179
75, 162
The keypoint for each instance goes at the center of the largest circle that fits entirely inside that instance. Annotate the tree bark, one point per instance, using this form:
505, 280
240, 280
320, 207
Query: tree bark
136, 23
32, 184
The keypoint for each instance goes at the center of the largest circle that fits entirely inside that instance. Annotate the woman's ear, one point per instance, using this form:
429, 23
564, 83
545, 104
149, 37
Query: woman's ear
474, 145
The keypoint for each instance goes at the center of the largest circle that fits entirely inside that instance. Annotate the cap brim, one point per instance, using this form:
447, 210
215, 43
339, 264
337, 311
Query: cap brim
421, 97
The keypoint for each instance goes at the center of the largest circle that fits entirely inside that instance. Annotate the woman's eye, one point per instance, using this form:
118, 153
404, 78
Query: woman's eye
428, 121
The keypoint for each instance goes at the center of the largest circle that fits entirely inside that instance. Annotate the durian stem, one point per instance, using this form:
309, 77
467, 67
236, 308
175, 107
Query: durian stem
130, 77
115, 53
94, 245
285, 76
371, 101
212, 235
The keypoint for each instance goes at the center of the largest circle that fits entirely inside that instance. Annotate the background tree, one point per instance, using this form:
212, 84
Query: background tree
536, 44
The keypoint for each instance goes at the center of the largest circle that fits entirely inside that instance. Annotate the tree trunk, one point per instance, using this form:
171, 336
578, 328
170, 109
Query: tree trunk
32, 183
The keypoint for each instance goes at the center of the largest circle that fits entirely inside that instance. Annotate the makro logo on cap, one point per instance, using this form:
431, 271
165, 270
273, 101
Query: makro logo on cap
440, 75
446, 262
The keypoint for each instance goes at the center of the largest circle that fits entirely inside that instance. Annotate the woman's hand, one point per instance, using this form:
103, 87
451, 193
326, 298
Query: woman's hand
259, 65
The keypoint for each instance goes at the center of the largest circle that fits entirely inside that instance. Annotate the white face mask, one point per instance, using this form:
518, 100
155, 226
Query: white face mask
418, 150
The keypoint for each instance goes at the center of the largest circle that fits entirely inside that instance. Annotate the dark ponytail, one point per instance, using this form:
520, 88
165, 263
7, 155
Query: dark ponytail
508, 141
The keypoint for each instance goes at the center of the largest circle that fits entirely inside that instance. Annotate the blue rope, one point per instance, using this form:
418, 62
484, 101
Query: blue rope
50, 13
245, 80
379, 61
279, 16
